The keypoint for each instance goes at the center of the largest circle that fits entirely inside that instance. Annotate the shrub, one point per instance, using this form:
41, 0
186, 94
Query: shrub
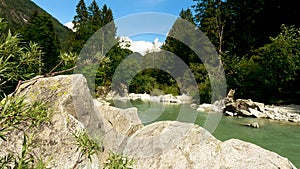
117, 161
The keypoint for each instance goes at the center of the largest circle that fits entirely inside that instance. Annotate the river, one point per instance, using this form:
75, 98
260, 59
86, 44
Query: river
280, 137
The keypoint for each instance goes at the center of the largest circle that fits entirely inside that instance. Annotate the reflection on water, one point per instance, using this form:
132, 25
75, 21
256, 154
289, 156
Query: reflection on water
280, 137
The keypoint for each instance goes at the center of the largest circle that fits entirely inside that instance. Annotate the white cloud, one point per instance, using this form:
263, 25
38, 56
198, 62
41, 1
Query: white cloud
70, 25
142, 46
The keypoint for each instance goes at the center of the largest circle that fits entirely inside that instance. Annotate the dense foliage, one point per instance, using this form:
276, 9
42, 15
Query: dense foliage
271, 72
256, 66
16, 62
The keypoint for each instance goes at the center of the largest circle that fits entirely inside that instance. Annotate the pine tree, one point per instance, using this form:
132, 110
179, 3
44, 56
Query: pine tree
107, 15
81, 19
211, 17
81, 26
110, 29
95, 16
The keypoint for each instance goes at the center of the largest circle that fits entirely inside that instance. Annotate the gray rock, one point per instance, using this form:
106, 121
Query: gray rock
217, 106
118, 125
238, 154
205, 108
230, 96
185, 98
257, 113
283, 113
169, 98
244, 113
228, 113
172, 144
72, 105
119, 91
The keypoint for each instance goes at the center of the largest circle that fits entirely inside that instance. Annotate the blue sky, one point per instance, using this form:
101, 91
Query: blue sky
65, 10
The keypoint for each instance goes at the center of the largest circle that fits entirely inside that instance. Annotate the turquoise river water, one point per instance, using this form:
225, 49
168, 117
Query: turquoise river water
280, 137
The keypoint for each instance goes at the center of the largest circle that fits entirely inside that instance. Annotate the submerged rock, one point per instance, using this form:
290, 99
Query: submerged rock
254, 125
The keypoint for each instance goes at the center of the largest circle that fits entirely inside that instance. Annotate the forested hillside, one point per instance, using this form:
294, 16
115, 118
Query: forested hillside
18, 12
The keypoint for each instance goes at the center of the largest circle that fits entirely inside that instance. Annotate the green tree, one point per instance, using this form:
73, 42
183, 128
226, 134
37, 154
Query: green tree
179, 48
271, 70
110, 30
81, 27
211, 17
39, 29
95, 16
274, 14
229, 24
89, 20
280, 60
109, 64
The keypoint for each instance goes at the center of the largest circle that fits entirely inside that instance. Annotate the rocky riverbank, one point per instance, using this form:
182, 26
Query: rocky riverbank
248, 108
166, 144
167, 98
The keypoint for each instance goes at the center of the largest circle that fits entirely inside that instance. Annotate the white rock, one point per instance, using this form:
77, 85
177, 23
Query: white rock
257, 113
172, 144
72, 105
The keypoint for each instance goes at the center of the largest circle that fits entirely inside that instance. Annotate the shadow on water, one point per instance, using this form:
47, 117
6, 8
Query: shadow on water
280, 137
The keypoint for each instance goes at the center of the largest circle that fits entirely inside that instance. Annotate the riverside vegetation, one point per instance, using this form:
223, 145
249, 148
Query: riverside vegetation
256, 66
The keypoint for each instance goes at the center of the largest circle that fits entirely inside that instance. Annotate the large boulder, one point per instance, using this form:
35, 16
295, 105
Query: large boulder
71, 104
247, 108
239, 154
64, 94
74, 110
172, 144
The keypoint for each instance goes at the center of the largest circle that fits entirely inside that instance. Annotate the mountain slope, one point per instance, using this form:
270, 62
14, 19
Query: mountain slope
18, 12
